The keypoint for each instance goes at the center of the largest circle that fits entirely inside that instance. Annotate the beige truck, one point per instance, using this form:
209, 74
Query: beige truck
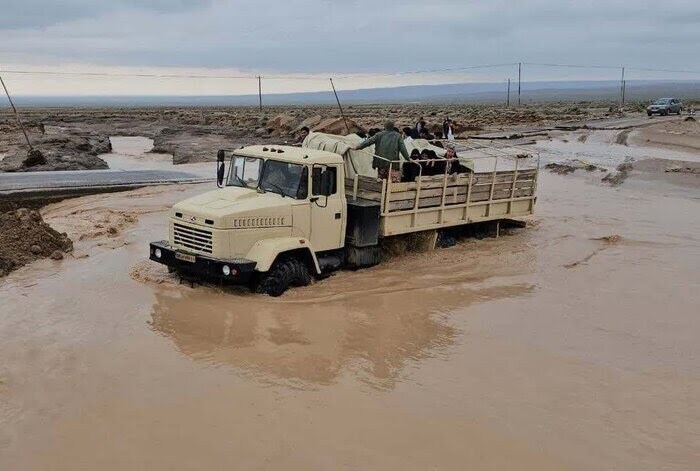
282, 215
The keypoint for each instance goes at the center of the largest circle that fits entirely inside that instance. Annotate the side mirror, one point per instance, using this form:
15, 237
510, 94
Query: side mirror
220, 168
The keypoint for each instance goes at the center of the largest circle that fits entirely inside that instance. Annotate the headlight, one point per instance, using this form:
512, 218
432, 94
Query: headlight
226, 270
158, 253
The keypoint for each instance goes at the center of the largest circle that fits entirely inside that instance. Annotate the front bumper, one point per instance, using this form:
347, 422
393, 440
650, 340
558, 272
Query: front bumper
199, 266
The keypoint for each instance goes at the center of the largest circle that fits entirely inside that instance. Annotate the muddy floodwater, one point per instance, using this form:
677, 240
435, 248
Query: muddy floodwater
133, 153
571, 344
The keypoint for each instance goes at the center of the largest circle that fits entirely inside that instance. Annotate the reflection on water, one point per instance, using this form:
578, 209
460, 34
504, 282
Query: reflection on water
374, 338
371, 324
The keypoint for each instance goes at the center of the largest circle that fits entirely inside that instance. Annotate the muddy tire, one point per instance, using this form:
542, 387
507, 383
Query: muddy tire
283, 273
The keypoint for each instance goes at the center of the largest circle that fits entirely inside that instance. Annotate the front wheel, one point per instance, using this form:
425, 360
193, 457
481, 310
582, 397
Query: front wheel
282, 274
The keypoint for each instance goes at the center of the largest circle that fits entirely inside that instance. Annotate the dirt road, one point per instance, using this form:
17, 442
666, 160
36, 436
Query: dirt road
569, 345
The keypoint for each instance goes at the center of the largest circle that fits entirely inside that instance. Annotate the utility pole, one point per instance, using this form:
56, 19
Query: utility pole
622, 90
345, 121
508, 95
520, 66
260, 91
14, 110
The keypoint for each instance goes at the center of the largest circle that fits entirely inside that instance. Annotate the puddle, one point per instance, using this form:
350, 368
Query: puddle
133, 153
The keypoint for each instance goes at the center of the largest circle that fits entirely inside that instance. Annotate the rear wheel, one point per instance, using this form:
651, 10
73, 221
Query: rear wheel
285, 272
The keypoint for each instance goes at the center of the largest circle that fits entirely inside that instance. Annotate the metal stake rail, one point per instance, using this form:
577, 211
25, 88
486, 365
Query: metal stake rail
491, 152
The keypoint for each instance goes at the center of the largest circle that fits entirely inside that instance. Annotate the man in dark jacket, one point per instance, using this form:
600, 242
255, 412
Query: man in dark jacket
387, 144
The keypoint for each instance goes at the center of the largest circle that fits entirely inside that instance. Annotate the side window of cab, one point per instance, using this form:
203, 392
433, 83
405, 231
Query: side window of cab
321, 176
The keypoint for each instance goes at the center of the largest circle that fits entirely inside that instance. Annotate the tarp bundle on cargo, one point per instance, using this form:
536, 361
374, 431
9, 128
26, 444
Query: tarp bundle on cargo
359, 162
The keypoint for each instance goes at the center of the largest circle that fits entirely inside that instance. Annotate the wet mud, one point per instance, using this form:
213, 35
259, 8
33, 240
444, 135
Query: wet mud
568, 344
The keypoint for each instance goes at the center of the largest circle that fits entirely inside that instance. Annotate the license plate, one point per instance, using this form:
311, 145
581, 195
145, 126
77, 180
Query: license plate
184, 257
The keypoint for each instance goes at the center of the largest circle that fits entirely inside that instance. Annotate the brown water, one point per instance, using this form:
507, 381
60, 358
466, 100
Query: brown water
572, 344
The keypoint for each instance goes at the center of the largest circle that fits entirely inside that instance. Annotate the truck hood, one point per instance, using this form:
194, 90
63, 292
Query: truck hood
234, 208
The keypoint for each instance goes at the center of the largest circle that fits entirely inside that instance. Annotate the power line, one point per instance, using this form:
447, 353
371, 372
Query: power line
429, 71
117, 74
573, 66
324, 78
612, 67
252, 76
197, 76
644, 69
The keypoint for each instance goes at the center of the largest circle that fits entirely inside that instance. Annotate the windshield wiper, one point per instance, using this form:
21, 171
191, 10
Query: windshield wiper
276, 186
240, 180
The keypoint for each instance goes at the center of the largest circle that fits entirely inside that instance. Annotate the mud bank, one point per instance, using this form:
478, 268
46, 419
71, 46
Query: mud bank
55, 148
617, 157
25, 237
528, 351
675, 135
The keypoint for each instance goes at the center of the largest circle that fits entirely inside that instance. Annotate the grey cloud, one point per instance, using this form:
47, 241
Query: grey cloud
41, 13
357, 36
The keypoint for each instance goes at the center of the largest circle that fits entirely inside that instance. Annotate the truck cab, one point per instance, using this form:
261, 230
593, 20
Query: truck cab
278, 208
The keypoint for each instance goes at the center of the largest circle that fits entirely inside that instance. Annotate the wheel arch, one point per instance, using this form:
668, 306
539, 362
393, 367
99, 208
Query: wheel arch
266, 252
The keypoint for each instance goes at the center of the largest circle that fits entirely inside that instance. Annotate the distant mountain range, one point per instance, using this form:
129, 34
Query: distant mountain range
450, 93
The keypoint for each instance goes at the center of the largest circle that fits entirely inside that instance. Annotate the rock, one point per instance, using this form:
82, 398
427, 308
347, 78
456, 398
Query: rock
281, 122
689, 118
337, 126
615, 179
57, 255
560, 169
309, 122
35, 249
34, 157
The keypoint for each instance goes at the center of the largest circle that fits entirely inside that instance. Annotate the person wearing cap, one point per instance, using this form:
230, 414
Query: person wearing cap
388, 144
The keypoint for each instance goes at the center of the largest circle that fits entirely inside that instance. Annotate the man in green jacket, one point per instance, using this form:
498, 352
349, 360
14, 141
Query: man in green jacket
387, 144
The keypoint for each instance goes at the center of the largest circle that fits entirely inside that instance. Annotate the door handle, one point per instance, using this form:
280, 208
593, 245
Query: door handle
337, 215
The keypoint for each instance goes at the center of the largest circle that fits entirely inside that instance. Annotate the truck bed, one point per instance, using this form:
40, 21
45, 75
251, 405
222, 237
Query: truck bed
433, 202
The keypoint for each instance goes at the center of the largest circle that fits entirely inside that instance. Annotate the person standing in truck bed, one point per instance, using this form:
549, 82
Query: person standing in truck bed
387, 144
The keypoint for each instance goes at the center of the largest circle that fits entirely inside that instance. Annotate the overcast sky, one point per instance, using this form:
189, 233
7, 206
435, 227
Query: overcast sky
338, 38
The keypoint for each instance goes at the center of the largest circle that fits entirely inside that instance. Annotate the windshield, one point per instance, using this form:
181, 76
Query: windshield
662, 101
285, 179
245, 171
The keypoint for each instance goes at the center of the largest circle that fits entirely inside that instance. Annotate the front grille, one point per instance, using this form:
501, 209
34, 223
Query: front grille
192, 238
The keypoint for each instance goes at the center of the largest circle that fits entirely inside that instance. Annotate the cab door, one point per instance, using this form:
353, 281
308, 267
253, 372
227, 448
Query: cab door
328, 215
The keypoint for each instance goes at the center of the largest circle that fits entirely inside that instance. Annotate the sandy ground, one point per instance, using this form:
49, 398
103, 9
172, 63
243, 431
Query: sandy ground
571, 344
